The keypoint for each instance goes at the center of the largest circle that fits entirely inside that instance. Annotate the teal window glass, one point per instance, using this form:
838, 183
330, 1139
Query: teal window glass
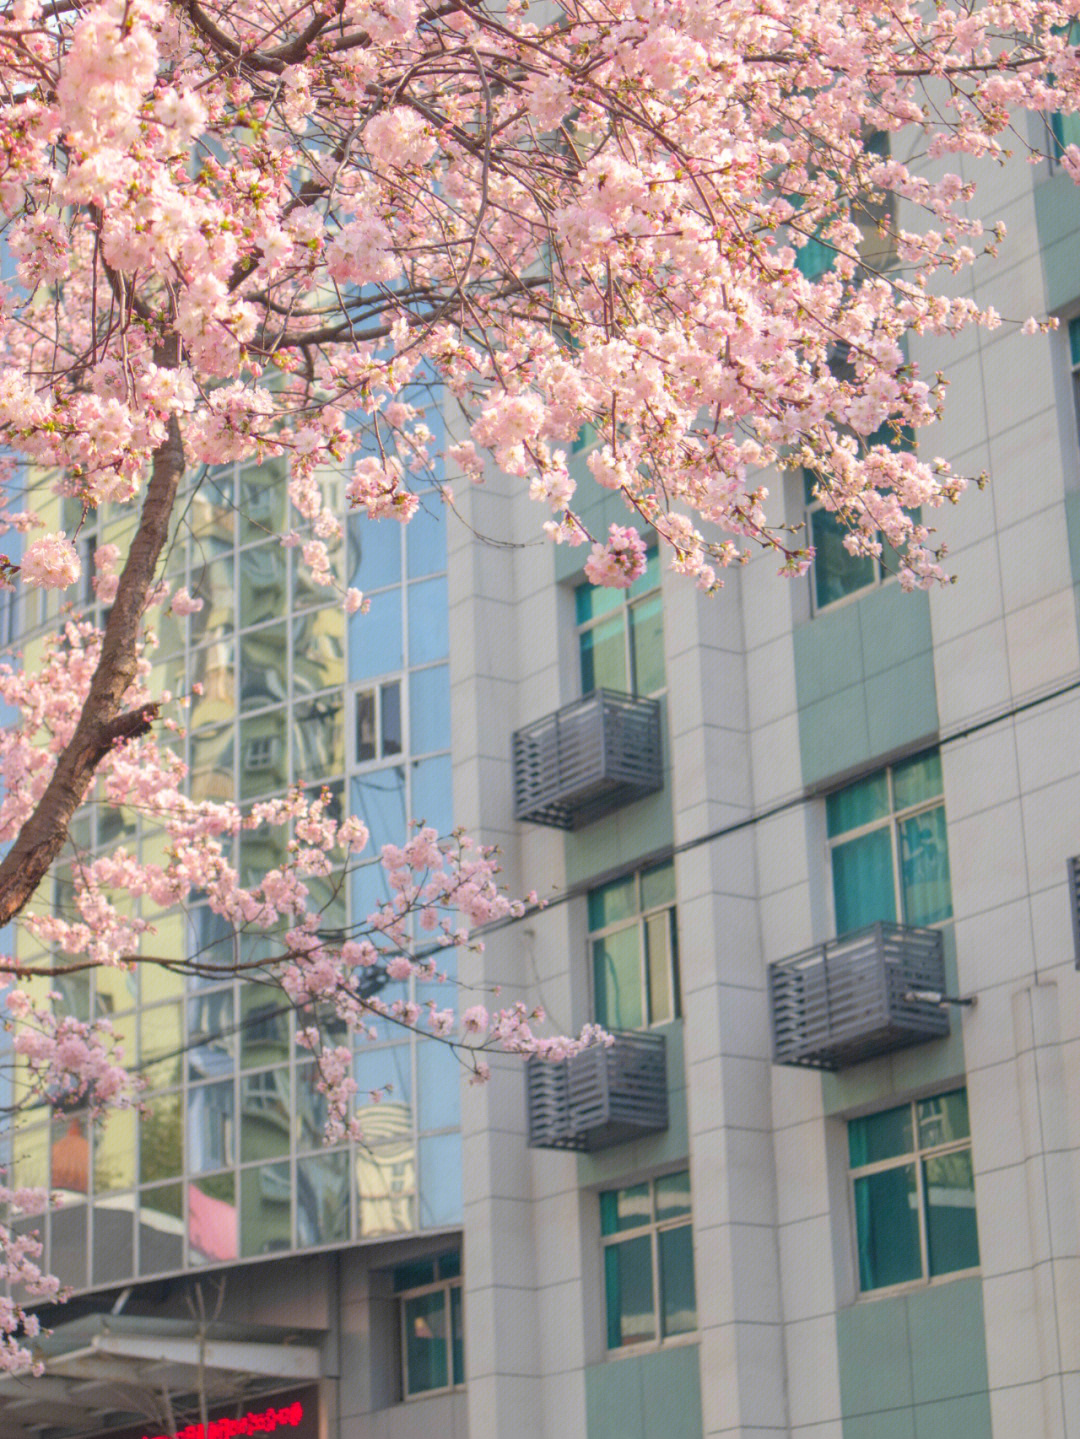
633, 948
837, 574
889, 847
881, 1136
858, 804
952, 1240
648, 1261
628, 1289
887, 1218
621, 635
863, 882
913, 1189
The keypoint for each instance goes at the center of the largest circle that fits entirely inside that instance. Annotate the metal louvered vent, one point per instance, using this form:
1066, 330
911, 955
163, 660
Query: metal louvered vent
1074, 905
600, 1097
586, 759
857, 997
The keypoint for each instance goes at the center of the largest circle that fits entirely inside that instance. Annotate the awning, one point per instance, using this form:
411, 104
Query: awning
107, 1372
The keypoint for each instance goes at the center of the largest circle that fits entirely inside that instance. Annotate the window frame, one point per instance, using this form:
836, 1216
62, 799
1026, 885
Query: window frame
420, 1291
623, 607
917, 1158
639, 920
892, 819
653, 1229
382, 758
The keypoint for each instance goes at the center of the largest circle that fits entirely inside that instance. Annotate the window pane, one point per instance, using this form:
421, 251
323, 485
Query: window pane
264, 1115
391, 718
620, 1003
366, 740
319, 651
457, 1330
426, 1348
592, 601
264, 753
863, 886
917, 779
612, 903
631, 1317
836, 573
322, 1199
161, 1131
647, 642
658, 886
858, 804
924, 868
603, 656
265, 1210
880, 1136
887, 1227
673, 1196
624, 1209
318, 739
211, 1134
943, 1119
161, 1229
660, 955
951, 1236
678, 1305
264, 665
212, 1219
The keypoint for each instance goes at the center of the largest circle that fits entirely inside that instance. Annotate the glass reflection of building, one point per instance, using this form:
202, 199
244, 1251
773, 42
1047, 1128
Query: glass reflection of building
228, 1159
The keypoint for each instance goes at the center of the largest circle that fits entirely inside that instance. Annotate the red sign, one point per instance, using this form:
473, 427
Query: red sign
266, 1421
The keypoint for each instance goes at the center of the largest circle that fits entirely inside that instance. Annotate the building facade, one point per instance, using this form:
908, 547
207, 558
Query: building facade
807, 851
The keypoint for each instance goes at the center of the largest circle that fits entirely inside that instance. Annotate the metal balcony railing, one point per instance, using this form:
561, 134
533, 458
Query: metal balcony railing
862, 995
600, 1097
587, 759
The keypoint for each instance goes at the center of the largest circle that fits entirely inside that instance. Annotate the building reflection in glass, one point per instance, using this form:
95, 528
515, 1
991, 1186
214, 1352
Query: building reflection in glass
386, 1171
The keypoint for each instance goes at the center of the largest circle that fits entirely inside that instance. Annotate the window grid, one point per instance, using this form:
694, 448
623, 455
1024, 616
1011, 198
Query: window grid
893, 820
393, 1165
412, 1288
916, 1158
643, 922
652, 1229
636, 673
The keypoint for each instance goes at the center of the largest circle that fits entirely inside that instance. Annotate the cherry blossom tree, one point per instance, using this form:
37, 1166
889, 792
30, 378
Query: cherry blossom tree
246, 230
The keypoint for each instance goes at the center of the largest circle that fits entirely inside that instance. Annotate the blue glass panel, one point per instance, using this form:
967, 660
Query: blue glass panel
376, 1067
432, 793
425, 538
863, 886
429, 709
376, 646
440, 1181
429, 632
439, 1083
374, 553
378, 797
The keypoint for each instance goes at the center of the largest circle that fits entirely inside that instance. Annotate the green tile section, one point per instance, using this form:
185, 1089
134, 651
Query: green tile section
609, 1167
864, 676
876, 1083
645, 1396
1057, 216
914, 1367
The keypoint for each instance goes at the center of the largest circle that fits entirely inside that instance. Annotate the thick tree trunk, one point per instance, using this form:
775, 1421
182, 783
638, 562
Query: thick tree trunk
104, 722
